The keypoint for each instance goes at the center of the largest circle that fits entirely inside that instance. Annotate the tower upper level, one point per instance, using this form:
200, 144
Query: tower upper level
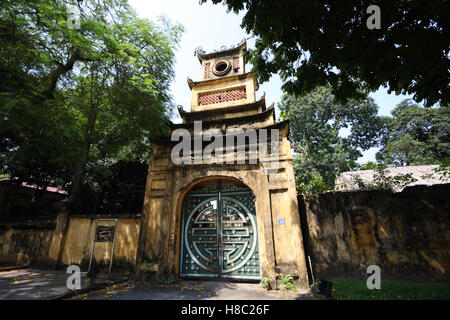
224, 81
224, 63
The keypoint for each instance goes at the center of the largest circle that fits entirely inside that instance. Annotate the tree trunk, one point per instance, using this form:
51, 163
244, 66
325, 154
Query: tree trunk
80, 168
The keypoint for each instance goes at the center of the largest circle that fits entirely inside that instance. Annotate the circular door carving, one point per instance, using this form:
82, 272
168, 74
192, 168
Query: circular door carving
219, 233
239, 236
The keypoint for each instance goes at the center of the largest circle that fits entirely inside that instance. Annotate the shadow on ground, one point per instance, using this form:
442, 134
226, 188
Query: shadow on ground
32, 284
193, 290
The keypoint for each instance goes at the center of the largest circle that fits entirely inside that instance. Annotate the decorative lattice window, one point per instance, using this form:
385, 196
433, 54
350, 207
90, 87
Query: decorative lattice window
207, 71
236, 63
222, 96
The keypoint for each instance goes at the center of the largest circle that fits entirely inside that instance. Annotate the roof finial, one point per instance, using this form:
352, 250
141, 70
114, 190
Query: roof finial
199, 50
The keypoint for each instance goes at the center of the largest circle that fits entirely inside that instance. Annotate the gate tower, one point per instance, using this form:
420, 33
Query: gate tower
223, 220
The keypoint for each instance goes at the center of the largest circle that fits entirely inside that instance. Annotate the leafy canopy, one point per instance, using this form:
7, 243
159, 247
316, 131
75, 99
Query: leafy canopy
63, 90
416, 135
318, 43
328, 136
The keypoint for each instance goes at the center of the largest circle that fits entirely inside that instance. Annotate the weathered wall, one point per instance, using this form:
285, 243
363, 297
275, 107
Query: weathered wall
78, 243
26, 242
407, 234
66, 240
280, 246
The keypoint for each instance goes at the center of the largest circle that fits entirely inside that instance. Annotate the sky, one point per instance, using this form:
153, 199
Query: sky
210, 27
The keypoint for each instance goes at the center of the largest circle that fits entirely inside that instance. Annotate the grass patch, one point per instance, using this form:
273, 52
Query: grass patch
352, 289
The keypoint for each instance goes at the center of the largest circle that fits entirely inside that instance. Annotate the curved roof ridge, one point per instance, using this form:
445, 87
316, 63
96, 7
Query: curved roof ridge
202, 55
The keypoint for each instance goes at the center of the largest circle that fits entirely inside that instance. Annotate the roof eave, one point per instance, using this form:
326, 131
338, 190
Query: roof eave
242, 46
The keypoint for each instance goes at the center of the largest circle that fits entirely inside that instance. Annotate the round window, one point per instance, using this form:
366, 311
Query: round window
221, 67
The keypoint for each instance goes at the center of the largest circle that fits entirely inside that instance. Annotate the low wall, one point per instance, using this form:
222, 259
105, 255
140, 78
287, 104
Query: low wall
78, 243
26, 241
407, 234
66, 240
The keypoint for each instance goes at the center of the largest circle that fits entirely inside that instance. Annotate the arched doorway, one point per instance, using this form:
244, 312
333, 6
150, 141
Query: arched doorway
219, 235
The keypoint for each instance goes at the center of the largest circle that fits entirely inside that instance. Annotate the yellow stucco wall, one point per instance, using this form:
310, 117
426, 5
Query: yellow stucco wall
25, 246
280, 246
224, 84
229, 58
78, 242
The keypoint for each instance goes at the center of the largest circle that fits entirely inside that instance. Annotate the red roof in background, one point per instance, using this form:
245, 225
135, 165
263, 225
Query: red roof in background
33, 186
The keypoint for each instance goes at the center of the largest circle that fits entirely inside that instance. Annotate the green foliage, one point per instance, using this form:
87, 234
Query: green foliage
328, 136
87, 282
315, 184
351, 289
265, 283
370, 165
444, 169
66, 90
146, 267
383, 181
416, 135
113, 187
168, 279
316, 43
288, 283
148, 270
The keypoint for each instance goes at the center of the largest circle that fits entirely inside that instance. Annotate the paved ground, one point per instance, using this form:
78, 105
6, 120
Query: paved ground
31, 284
192, 290
26, 284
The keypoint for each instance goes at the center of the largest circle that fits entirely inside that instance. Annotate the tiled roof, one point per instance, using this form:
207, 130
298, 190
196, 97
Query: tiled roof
424, 175
33, 186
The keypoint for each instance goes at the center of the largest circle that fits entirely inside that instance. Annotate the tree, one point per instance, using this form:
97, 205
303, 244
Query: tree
328, 136
113, 187
369, 165
66, 90
316, 43
416, 135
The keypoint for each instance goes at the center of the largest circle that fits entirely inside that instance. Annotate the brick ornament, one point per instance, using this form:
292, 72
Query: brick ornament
236, 63
222, 96
207, 71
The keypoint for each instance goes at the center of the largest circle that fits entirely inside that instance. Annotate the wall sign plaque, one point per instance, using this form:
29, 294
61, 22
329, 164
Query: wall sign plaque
104, 233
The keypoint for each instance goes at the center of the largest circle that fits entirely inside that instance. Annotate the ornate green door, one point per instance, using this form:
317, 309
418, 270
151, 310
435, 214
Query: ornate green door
219, 235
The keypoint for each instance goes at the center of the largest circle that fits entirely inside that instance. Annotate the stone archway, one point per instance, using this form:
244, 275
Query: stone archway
219, 232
